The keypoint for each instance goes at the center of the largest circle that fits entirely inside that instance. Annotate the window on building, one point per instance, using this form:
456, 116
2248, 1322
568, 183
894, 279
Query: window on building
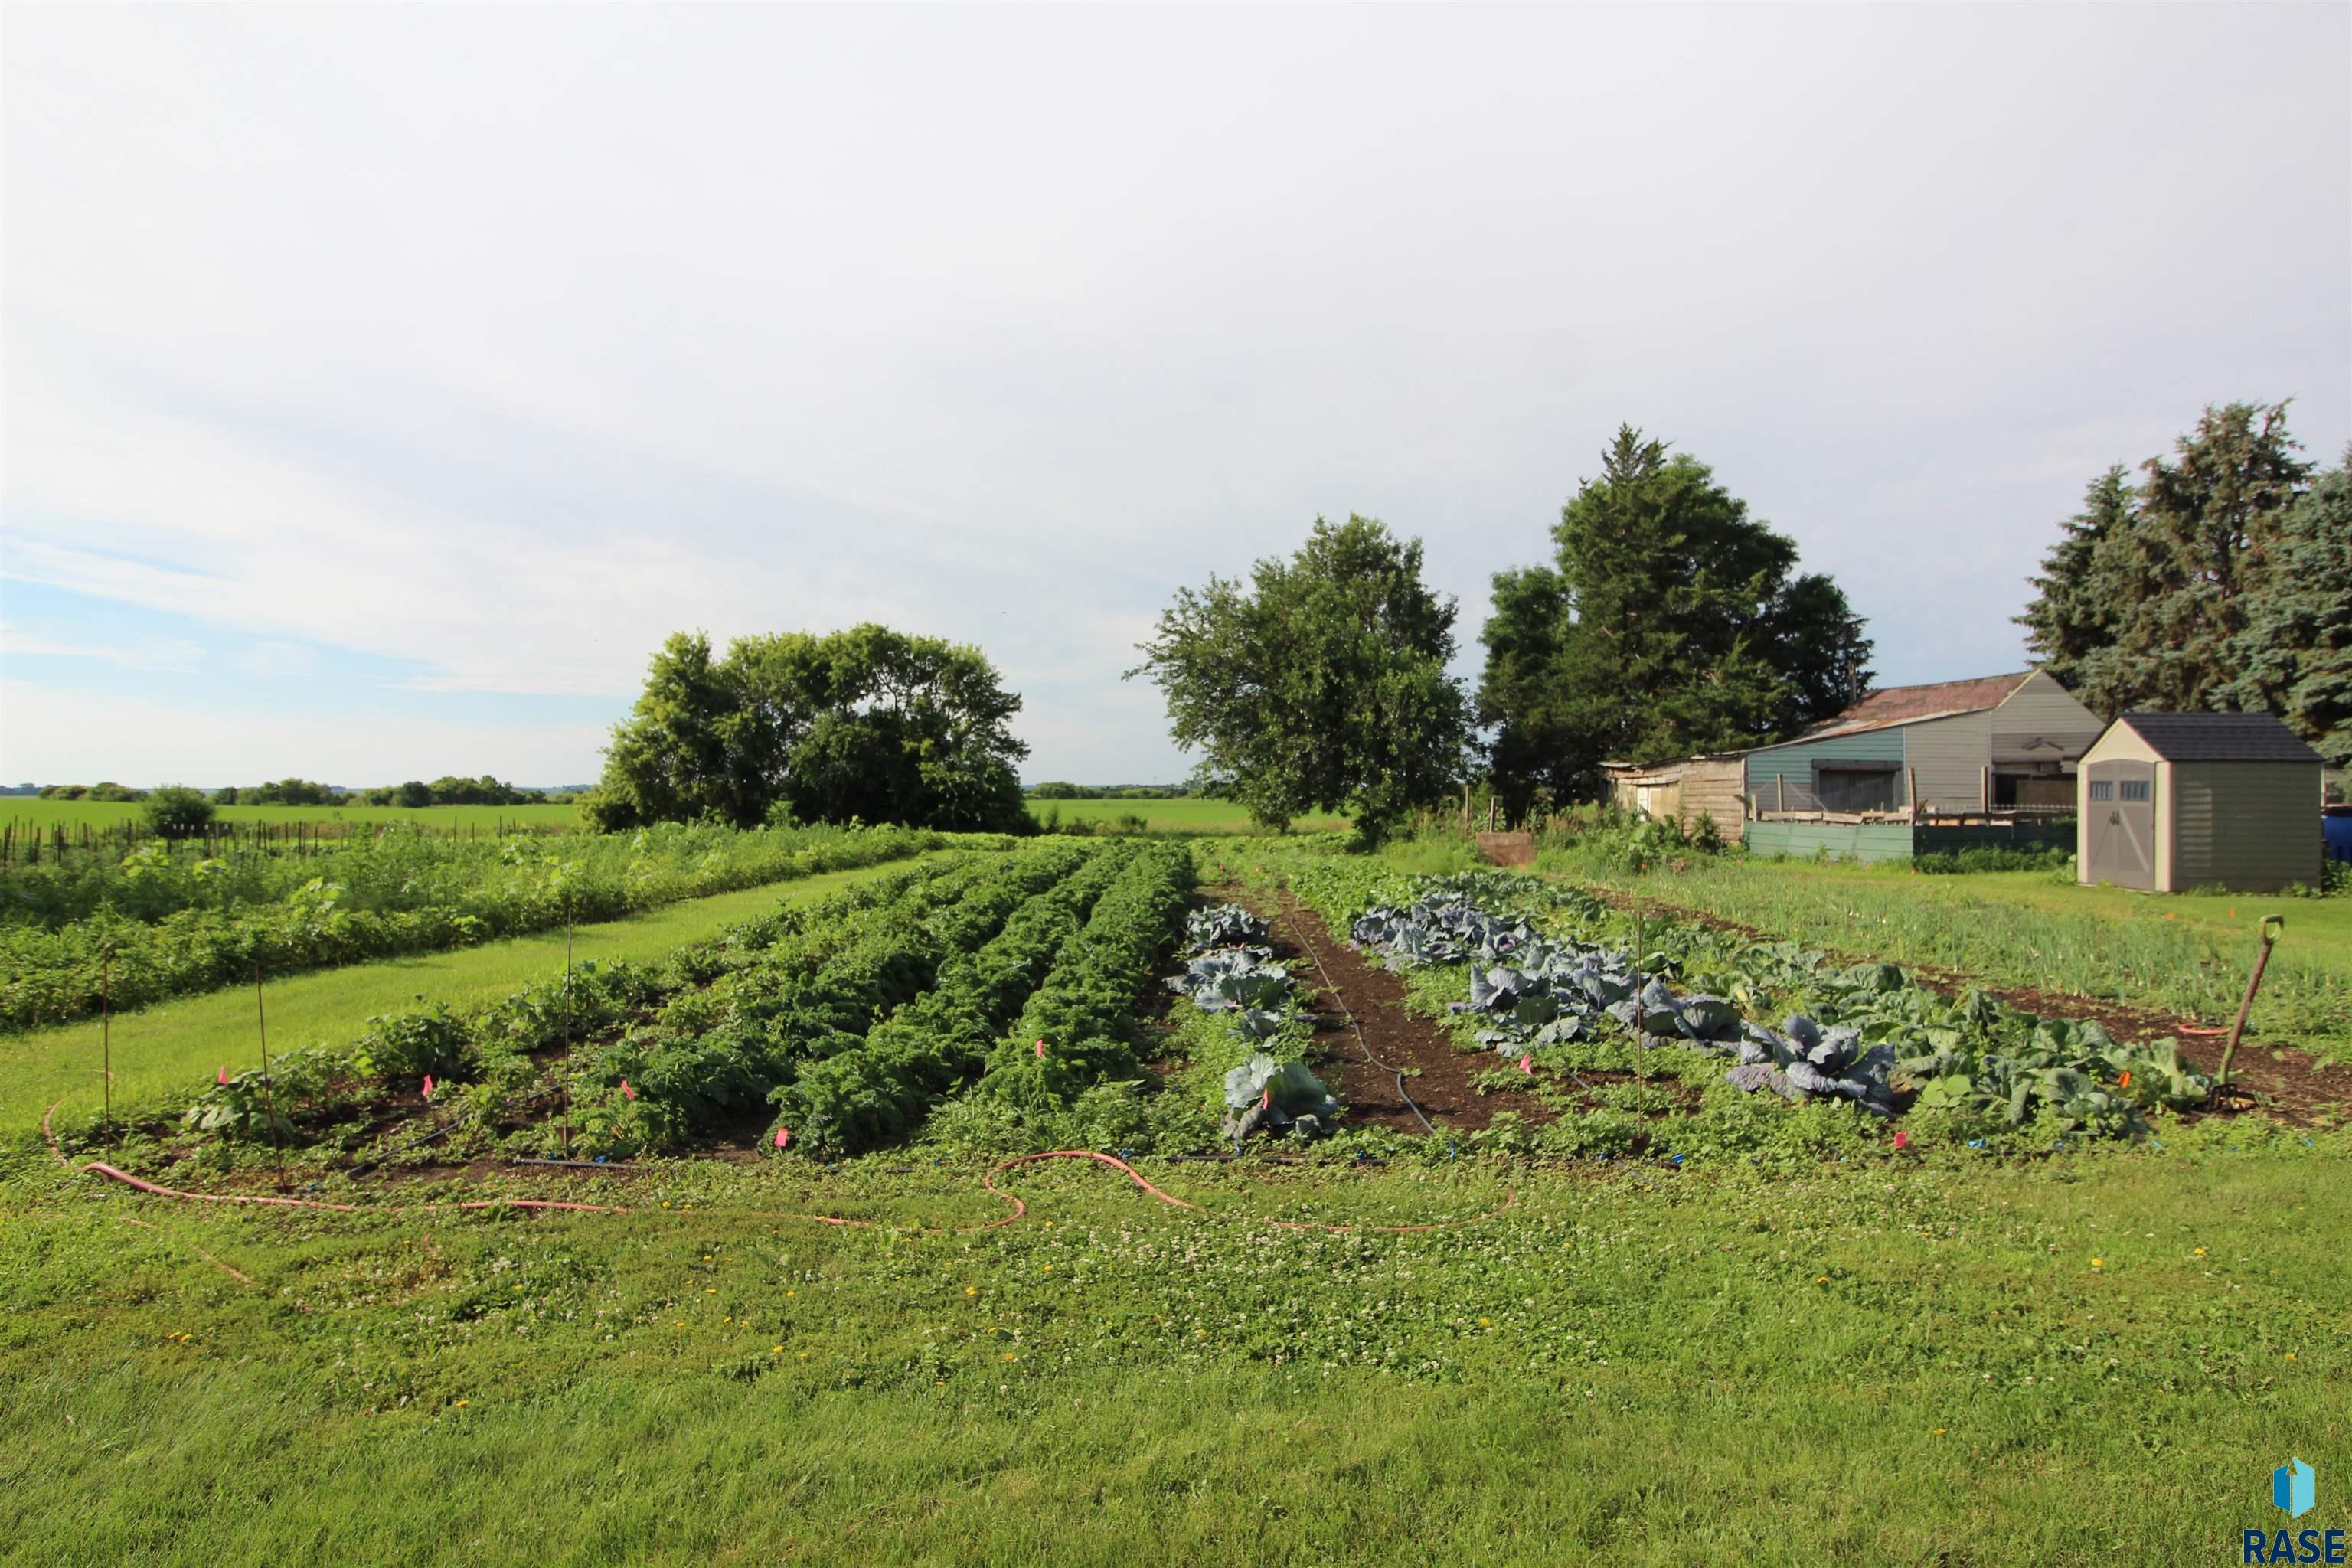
2134, 789
1858, 787
2102, 789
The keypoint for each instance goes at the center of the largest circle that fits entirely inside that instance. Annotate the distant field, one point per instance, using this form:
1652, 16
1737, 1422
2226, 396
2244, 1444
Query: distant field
166, 1050
1187, 816
42, 814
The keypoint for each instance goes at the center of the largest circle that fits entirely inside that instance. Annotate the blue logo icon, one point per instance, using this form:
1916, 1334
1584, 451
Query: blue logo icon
2292, 1488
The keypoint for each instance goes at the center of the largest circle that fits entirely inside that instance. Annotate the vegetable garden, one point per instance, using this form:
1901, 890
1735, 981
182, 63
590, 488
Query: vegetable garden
1003, 999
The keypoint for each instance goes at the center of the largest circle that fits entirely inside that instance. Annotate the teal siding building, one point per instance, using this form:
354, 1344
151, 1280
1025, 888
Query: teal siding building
1999, 752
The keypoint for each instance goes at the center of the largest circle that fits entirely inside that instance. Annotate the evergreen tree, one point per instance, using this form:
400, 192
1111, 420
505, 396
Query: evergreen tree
2147, 597
2080, 594
2295, 650
2207, 525
1669, 624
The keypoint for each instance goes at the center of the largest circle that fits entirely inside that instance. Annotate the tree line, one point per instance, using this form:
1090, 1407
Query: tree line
1665, 620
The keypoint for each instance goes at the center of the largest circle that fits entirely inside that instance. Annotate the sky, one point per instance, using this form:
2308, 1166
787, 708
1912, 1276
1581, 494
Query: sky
379, 386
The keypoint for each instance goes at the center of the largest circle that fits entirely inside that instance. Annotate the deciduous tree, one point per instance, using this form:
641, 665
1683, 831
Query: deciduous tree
867, 723
1320, 685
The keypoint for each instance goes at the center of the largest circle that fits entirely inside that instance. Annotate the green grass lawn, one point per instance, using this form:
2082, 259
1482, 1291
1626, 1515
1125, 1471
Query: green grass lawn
166, 1050
1190, 814
30, 813
2188, 955
2098, 1359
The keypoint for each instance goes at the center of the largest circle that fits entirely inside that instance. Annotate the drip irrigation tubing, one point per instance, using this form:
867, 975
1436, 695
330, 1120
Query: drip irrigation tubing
1290, 912
987, 1180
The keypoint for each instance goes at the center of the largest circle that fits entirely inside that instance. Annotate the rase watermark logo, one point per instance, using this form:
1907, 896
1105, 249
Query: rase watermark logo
2293, 1490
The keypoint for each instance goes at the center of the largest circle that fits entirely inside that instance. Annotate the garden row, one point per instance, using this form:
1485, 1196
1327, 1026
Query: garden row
1561, 985
1010, 978
166, 926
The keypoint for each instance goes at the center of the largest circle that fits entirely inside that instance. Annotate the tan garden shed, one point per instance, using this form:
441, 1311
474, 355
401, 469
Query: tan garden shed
2175, 801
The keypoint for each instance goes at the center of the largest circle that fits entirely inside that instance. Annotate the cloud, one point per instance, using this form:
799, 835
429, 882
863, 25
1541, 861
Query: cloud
175, 656
498, 345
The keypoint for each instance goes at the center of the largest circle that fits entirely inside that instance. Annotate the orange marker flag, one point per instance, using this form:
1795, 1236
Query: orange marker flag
1041, 1050
428, 1086
1267, 1099
1527, 1064
221, 1076
626, 1092
783, 1136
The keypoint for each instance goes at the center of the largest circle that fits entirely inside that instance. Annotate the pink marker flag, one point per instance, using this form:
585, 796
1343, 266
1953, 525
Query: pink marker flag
783, 1136
1527, 1064
1267, 1100
1903, 1140
221, 1076
428, 1086
1041, 1050
626, 1092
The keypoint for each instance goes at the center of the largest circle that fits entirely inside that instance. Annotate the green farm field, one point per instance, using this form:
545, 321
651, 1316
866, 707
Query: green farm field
173, 1048
1190, 814
97, 816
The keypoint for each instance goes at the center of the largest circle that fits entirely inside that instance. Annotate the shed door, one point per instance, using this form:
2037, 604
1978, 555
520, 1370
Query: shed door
2119, 823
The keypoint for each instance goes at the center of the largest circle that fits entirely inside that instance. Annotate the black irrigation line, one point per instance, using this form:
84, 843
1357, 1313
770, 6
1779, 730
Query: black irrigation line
1290, 912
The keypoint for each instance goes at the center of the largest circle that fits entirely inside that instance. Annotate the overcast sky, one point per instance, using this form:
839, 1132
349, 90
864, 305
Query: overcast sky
382, 384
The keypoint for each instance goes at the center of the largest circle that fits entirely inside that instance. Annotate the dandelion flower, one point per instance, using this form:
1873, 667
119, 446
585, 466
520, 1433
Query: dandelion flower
465, 1402
2201, 1252
1820, 1278
2098, 1263
778, 1351
1939, 1431
2290, 1355
975, 1290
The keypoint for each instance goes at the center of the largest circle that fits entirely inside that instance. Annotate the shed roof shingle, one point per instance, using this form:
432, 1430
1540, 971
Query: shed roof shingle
2218, 738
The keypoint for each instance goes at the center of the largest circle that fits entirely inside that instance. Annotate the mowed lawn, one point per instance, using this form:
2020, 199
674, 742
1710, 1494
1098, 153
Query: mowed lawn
1190, 814
2093, 1359
168, 1050
30, 813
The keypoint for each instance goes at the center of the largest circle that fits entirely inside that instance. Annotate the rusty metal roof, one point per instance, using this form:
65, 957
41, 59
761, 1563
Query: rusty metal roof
1892, 705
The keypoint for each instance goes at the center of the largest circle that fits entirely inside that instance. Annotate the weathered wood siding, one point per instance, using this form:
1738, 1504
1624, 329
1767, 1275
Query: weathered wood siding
1716, 789
1685, 789
2251, 827
1794, 763
1947, 758
2040, 722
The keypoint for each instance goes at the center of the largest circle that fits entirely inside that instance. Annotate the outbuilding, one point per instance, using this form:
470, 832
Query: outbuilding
1684, 791
2175, 801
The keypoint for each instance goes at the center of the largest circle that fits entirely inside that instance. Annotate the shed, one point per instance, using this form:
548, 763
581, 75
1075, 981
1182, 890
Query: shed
2175, 801
1685, 790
